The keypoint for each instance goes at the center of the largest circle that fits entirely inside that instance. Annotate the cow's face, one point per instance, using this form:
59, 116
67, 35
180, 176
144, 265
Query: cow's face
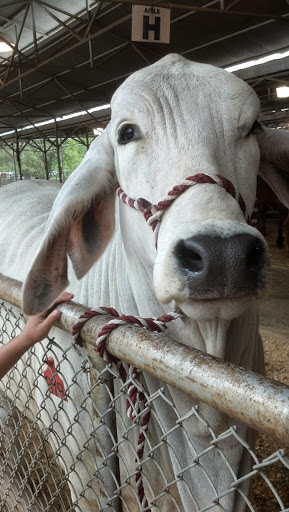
176, 120
170, 121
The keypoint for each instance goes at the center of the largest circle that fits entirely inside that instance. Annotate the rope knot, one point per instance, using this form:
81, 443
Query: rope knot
136, 406
153, 212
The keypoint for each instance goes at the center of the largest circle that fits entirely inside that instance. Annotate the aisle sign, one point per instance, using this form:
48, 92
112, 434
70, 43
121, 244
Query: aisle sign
150, 24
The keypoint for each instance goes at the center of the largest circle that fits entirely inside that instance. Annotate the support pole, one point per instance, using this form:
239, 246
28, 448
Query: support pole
18, 154
14, 162
57, 145
86, 138
45, 158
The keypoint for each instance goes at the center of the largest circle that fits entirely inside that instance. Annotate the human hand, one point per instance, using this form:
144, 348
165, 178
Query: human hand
37, 327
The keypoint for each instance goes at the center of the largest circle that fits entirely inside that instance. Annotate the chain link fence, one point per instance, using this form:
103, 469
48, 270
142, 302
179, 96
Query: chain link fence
66, 442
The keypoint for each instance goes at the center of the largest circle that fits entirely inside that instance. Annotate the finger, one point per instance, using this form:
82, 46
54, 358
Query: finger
51, 319
64, 297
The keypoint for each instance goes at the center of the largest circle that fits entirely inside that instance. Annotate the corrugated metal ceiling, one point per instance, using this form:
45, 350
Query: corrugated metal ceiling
71, 55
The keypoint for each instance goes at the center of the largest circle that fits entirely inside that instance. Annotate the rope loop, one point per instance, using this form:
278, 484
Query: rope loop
136, 406
153, 212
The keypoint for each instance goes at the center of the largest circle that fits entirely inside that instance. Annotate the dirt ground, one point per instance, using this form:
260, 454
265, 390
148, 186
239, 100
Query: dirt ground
274, 320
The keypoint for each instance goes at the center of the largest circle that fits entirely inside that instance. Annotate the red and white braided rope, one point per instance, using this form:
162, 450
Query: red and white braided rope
154, 212
136, 406
137, 402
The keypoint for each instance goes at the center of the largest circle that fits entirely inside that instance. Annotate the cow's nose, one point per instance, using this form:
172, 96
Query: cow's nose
222, 266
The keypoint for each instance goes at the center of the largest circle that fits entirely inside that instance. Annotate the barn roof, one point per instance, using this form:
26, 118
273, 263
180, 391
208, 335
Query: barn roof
70, 56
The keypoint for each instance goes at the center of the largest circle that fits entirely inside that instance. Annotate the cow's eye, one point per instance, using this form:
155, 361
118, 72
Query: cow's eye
127, 133
255, 128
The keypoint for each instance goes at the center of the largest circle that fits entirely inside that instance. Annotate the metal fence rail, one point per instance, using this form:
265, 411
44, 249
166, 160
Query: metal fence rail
48, 464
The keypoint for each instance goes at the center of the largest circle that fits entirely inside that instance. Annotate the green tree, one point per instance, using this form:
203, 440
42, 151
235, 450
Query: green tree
6, 160
72, 154
32, 164
33, 161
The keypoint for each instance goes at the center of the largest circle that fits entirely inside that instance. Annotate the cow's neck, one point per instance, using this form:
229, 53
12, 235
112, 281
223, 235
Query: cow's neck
122, 280
131, 292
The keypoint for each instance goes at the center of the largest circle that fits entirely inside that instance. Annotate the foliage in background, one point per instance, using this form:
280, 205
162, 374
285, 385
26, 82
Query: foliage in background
33, 161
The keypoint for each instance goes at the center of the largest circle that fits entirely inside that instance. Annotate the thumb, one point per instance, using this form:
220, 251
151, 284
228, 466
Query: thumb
51, 319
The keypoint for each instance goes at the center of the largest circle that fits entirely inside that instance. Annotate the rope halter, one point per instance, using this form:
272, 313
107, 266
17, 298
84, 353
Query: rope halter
153, 212
137, 408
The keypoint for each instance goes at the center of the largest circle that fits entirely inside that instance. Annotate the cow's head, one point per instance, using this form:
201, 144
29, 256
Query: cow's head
171, 120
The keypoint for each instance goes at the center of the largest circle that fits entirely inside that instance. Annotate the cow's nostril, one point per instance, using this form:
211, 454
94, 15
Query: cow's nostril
255, 257
216, 266
188, 257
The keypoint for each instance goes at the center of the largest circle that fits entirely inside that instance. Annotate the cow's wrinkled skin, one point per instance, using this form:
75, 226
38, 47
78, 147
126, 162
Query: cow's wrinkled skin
173, 119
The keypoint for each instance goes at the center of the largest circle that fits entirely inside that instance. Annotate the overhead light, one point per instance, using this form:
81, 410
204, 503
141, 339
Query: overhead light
258, 61
5, 43
63, 118
282, 92
97, 131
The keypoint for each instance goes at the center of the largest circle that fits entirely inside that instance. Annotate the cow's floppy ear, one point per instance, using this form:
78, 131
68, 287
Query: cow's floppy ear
274, 161
80, 224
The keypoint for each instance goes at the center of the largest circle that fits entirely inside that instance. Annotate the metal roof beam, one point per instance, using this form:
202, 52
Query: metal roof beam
62, 11
190, 13
228, 36
235, 2
15, 48
59, 21
92, 20
267, 69
278, 78
63, 98
34, 33
275, 116
70, 95
10, 146
206, 10
67, 50
25, 117
276, 105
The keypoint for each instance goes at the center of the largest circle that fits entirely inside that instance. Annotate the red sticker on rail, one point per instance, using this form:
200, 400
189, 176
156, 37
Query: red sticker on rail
53, 380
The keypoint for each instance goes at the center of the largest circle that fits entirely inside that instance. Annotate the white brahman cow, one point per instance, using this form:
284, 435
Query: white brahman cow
169, 121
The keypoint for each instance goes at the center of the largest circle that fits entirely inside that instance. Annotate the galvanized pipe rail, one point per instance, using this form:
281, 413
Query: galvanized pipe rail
259, 402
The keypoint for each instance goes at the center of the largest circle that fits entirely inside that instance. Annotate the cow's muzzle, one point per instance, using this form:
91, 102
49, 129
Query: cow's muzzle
217, 267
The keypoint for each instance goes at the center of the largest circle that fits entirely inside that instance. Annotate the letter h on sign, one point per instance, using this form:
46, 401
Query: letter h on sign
150, 25
156, 28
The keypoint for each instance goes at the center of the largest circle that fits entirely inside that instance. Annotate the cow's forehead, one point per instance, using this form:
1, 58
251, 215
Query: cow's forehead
183, 76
